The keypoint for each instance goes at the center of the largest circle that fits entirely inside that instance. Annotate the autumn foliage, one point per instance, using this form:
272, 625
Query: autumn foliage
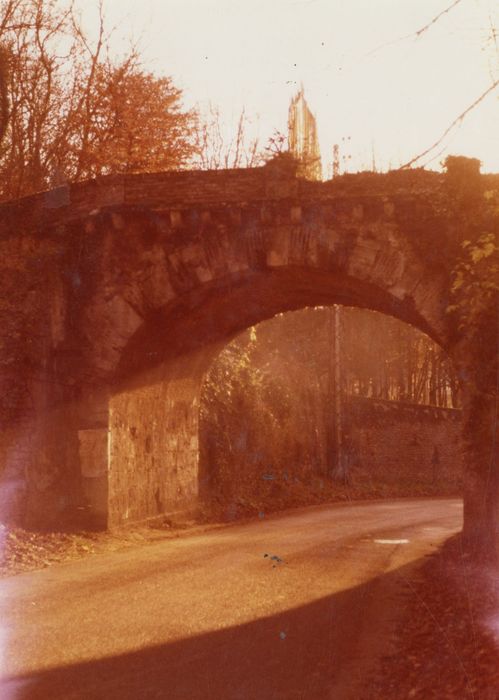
74, 112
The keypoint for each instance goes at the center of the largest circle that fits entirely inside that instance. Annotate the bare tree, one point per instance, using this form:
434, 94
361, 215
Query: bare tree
215, 150
74, 113
492, 40
4, 99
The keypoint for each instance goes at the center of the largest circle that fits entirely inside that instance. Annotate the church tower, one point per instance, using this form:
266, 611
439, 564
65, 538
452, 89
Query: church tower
302, 138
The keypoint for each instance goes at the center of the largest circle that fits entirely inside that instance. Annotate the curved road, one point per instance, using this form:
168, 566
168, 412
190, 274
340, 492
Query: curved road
296, 606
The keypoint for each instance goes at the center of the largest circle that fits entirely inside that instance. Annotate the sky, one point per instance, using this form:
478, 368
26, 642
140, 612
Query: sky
376, 89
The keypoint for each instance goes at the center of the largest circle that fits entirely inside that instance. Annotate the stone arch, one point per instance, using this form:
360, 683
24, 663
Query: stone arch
150, 275
151, 335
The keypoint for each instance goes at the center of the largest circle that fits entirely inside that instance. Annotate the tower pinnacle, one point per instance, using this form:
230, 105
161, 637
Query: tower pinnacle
302, 137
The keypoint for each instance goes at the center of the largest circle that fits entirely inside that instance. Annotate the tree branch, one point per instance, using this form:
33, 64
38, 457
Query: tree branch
456, 121
422, 30
419, 32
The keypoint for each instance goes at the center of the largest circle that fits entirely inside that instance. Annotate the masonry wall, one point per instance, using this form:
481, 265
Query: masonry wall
397, 442
154, 442
153, 453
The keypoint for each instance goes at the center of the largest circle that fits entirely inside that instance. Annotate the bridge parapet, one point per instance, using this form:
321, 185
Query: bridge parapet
198, 189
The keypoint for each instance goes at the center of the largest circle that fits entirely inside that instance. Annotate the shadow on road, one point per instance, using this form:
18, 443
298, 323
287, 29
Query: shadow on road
318, 651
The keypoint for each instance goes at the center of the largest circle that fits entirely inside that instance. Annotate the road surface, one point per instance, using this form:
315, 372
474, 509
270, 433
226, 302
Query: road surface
296, 606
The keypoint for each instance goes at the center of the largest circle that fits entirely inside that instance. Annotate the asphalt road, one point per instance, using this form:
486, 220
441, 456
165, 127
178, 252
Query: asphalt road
214, 616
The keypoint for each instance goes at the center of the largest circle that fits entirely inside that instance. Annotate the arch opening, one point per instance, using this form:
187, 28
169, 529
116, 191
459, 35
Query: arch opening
324, 404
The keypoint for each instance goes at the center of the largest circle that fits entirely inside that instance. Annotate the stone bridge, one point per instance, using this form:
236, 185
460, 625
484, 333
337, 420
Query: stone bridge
118, 293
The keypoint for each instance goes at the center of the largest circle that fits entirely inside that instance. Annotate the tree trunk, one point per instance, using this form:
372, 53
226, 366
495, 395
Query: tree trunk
481, 479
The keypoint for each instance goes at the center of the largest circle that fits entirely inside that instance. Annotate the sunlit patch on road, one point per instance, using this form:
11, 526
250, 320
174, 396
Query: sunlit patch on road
392, 541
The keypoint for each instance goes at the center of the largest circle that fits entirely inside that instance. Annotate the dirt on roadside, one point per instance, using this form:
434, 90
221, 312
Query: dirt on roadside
448, 642
22, 550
